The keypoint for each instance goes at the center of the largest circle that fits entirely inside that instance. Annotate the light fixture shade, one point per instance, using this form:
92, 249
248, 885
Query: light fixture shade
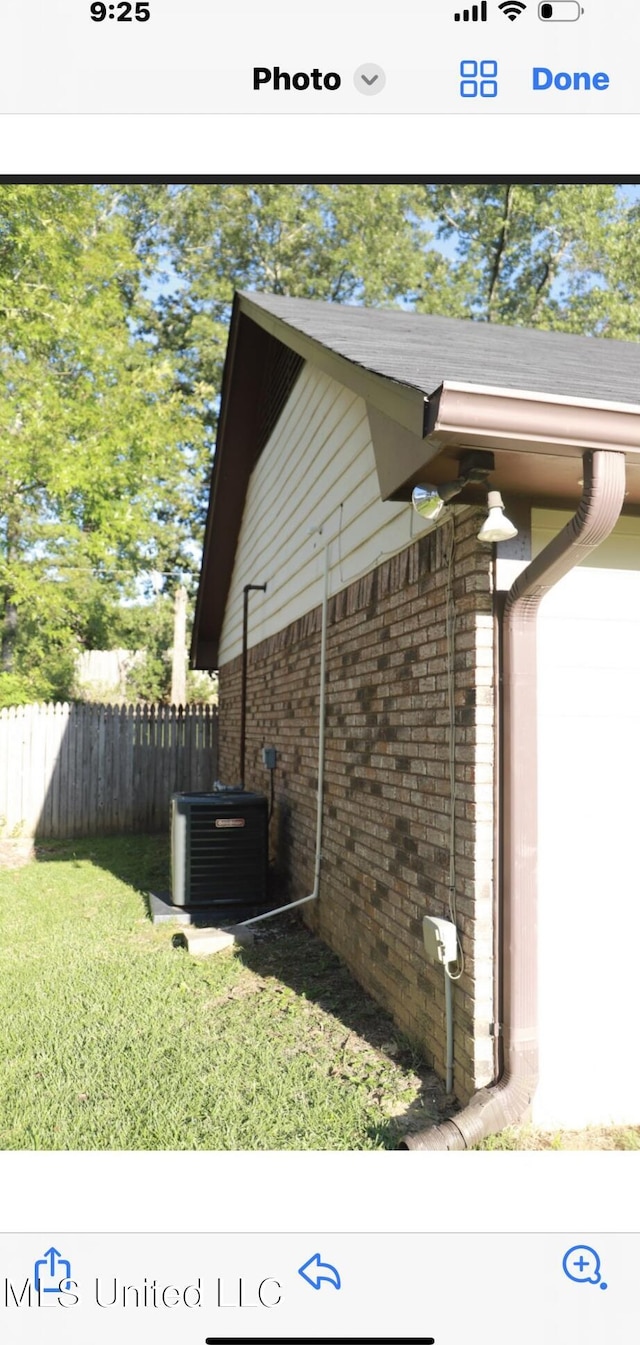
428, 503
496, 527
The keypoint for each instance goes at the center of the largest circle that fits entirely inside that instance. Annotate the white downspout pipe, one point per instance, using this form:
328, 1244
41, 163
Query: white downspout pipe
302, 901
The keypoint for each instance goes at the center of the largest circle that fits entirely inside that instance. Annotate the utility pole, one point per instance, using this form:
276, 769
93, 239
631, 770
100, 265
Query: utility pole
179, 653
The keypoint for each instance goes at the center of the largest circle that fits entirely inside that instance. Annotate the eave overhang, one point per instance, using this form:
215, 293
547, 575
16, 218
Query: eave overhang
537, 441
253, 333
402, 403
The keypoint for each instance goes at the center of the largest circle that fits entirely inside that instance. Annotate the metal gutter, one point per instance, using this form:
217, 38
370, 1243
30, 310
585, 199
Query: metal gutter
543, 436
526, 422
506, 1102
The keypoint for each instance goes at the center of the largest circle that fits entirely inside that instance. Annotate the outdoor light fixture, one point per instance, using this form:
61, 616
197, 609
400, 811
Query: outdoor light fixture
496, 527
429, 501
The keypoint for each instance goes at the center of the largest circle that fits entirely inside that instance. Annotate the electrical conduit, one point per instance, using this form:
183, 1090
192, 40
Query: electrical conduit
302, 901
448, 1015
248, 588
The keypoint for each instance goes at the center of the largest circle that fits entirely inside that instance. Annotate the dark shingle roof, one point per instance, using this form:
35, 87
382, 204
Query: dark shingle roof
424, 351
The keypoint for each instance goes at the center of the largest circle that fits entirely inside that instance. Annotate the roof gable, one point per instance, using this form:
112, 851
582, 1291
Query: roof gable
433, 386
422, 351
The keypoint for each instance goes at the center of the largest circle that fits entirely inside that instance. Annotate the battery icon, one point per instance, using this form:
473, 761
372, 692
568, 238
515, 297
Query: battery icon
561, 11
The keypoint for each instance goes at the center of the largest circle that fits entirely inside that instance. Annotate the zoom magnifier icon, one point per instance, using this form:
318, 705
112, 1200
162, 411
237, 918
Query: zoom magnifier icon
582, 1265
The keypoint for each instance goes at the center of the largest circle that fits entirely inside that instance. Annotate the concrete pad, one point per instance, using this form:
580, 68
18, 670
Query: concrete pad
205, 942
161, 910
200, 917
241, 935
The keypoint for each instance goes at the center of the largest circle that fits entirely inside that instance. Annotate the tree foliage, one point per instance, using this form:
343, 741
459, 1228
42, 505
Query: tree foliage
149, 628
563, 257
342, 244
559, 256
93, 479
114, 311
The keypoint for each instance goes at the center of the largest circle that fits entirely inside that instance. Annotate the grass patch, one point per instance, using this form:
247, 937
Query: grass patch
593, 1137
115, 1039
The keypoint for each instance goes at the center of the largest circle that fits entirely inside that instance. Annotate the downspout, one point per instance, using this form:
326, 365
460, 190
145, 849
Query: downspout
505, 1102
248, 588
302, 901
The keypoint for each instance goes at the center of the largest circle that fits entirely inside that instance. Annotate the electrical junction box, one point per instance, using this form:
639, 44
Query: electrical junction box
440, 939
269, 757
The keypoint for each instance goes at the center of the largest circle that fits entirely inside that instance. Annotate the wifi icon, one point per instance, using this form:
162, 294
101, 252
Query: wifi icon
512, 9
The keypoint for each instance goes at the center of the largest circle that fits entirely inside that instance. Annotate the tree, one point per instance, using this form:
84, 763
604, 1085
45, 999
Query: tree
114, 312
558, 256
564, 257
94, 469
341, 243
149, 627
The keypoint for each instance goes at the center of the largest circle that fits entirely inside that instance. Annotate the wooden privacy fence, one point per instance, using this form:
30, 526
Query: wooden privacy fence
87, 770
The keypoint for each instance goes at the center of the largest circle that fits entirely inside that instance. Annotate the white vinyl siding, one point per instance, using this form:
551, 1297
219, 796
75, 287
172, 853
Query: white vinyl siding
316, 472
620, 551
588, 854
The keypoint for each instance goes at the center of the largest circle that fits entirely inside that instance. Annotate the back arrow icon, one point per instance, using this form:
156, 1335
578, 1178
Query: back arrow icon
316, 1277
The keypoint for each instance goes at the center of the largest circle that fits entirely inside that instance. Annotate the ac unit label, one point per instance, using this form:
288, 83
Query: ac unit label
227, 822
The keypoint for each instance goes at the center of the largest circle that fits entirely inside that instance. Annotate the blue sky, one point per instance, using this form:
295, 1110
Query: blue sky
446, 246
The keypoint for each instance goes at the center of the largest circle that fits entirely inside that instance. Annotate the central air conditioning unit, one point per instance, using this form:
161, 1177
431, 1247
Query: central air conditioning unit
220, 850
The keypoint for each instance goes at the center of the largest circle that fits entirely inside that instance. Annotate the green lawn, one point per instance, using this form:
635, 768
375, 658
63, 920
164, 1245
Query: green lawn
593, 1137
115, 1039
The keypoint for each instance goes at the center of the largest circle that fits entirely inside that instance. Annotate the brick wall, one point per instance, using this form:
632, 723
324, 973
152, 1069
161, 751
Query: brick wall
387, 799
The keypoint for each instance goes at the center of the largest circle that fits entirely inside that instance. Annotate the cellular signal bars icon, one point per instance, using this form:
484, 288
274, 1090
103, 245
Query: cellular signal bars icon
475, 14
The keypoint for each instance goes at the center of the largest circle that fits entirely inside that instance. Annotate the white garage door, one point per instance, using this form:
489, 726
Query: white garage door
589, 835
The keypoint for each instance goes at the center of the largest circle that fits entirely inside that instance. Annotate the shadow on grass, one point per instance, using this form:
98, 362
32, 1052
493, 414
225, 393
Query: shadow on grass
286, 951
140, 861
292, 954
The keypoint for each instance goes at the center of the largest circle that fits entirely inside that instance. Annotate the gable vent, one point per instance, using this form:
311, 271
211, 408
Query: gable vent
281, 369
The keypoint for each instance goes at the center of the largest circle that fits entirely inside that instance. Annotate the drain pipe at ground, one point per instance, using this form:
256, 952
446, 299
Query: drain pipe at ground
302, 901
506, 1102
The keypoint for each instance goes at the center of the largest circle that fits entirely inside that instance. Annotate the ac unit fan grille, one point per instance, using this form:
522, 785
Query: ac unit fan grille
219, 850
224, 862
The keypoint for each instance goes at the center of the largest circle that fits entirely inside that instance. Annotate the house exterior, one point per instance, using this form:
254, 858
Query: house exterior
463, 716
